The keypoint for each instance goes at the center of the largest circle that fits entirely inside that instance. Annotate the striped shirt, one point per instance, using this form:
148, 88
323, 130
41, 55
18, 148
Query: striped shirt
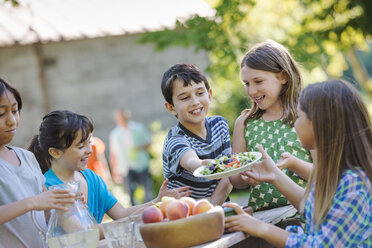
180, 140
348, 222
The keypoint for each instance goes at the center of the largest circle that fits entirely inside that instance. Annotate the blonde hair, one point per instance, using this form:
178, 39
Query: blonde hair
343, 138
273, 57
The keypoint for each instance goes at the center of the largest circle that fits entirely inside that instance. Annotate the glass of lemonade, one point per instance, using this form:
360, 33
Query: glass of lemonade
119, 233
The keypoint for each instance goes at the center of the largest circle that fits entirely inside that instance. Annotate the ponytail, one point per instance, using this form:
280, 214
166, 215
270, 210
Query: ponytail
58, 130
42, 157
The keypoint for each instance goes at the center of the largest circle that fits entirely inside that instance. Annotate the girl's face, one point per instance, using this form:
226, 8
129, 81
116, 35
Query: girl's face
304, 130
263, 87
76, 156
9, 117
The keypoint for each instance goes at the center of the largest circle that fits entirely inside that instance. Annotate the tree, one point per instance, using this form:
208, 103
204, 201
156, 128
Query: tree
318, 33
14, 2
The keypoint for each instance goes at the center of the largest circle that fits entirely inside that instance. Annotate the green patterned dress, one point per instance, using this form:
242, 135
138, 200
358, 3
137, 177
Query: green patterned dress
276, 138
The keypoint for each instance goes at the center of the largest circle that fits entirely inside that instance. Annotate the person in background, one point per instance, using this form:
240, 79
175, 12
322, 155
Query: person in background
129, 157
337, 202
22, 187
97, 161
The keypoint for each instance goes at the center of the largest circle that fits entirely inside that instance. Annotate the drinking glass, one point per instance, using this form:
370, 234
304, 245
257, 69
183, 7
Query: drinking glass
119, 233
137, 238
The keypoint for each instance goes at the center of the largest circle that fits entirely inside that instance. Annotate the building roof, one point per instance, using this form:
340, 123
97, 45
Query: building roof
55, 20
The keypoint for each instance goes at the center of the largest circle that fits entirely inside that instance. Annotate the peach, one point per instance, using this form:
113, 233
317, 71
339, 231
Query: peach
152, 214
201, 206
165, 200
190, 202
177, 209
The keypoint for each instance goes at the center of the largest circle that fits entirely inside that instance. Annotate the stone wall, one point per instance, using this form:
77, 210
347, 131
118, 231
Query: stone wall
93, 77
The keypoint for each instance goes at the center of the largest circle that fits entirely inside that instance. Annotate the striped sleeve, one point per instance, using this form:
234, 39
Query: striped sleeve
174, 148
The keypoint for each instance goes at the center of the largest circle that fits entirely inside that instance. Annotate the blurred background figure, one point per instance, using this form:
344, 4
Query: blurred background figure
97, 161
129, 158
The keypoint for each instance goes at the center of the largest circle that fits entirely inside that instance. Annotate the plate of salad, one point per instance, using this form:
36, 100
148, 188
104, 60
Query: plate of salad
228, 165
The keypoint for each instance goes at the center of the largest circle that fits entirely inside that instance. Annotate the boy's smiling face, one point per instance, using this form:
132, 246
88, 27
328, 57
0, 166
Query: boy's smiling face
190, 103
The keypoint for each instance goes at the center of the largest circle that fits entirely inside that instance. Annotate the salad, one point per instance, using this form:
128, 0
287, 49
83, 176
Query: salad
229, 162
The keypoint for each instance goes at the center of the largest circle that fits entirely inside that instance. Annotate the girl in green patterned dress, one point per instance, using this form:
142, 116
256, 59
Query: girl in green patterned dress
273, 83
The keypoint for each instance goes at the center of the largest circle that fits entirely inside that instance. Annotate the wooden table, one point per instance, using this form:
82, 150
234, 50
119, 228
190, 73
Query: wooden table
226, 240
229, 239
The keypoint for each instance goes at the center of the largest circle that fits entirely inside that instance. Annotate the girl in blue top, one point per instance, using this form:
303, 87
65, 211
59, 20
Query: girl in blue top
337, 202
62, 148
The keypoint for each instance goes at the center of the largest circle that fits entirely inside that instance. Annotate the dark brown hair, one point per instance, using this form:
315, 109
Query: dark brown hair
7, 86
58, 130
273, 57
183, 72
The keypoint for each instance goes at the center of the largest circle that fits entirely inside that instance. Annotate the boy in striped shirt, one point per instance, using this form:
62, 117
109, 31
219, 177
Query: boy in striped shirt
196, 138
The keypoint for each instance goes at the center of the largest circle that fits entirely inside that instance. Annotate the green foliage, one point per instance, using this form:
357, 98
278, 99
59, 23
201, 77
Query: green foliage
155, 150
14, 2
316, 32
222, 37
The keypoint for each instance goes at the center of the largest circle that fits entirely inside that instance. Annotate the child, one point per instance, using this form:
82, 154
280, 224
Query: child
21, 182
62, 148
197, 138
273, 82
337, 202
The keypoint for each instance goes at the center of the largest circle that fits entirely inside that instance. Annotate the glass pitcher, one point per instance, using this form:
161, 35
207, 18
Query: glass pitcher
74, 228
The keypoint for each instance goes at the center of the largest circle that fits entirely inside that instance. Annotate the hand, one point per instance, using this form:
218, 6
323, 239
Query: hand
206, 161
53, 199
85, 201
264, 171
285, 161
176, 193
242, 221
248, 179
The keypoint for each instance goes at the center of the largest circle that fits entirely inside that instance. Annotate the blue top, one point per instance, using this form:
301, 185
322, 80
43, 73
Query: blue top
348, 222
100, 199
180, 140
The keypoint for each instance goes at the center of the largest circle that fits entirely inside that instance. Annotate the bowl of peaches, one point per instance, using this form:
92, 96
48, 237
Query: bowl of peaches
181, 223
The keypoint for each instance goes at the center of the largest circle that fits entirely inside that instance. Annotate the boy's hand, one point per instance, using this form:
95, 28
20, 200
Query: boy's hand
53, 199
206, 161
176, 193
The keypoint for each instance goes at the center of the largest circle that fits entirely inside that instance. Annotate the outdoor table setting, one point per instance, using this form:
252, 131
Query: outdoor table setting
188, 222
225, 240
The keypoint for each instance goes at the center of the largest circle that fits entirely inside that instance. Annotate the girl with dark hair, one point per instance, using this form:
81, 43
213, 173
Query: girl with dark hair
337, 203
21, 182
62, 148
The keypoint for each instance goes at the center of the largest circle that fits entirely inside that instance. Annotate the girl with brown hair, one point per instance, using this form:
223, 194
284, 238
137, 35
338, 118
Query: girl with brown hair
337, 203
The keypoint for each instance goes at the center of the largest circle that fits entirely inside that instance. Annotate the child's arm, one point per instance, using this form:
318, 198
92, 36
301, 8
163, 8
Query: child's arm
238, 142
239, 145
257, 228
190, 161
267, 171
298, 166
51, 199
118, 211
221, 192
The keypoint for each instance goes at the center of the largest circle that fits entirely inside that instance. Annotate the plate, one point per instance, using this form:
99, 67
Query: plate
228, 173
